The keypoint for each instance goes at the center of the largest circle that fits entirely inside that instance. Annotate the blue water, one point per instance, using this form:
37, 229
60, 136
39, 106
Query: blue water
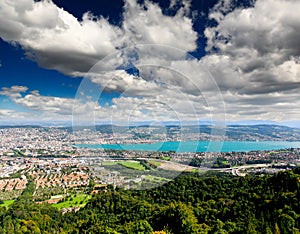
199, 146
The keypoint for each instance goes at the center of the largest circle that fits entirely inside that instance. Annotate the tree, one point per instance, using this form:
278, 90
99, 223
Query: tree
196, 162
138, 227
179, 218
286, 223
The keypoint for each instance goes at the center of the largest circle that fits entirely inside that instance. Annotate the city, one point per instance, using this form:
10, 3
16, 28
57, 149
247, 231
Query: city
149, 116
48, 158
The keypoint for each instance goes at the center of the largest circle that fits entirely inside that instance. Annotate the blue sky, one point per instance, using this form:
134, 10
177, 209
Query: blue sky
218, 61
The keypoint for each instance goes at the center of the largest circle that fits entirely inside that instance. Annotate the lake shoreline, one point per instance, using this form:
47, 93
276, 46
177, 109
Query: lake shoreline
198, 146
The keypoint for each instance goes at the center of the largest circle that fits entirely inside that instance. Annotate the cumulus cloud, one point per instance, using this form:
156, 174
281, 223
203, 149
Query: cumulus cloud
152, 27
259, 38
256, 69
57, 40
45, 104
260, 44
62, 42
14, 91
168, 104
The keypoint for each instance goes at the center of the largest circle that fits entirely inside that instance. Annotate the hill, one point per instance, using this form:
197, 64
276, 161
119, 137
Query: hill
192, 203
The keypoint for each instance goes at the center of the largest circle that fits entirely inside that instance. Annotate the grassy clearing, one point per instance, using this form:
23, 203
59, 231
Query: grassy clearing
128, 164
156, 178
155, 163
195, 170
7, 203
109, 163
133, 165
76, 200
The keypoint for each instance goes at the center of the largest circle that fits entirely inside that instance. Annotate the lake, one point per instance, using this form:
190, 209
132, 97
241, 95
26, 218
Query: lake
199, 146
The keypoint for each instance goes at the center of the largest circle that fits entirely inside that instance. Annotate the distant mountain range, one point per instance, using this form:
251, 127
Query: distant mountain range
275, 132
231, 132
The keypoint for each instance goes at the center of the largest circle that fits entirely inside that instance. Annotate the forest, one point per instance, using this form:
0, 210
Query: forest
192, 203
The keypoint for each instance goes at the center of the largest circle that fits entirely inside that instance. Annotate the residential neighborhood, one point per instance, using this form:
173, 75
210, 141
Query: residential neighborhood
48, 160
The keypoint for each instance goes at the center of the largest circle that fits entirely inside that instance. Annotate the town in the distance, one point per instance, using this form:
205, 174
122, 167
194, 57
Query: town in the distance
66, 175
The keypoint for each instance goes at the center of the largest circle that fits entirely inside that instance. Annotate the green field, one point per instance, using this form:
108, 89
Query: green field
109, 163
133, 165
155, 163
157, 179
128, 164
75, 200
7, 203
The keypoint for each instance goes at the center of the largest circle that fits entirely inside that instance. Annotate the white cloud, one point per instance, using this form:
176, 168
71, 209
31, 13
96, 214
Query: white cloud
256, 72
257, 65
14, 91
262, 36
121, 81
152, 27
6, 112
48, 105
57, 40
62, 42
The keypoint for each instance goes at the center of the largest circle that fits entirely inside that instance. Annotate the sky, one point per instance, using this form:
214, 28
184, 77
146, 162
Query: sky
154, 61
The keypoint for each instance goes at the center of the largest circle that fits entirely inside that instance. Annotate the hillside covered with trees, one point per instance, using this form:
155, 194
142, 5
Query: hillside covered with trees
192, 203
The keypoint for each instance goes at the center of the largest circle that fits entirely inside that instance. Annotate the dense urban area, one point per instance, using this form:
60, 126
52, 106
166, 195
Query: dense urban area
46, 162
